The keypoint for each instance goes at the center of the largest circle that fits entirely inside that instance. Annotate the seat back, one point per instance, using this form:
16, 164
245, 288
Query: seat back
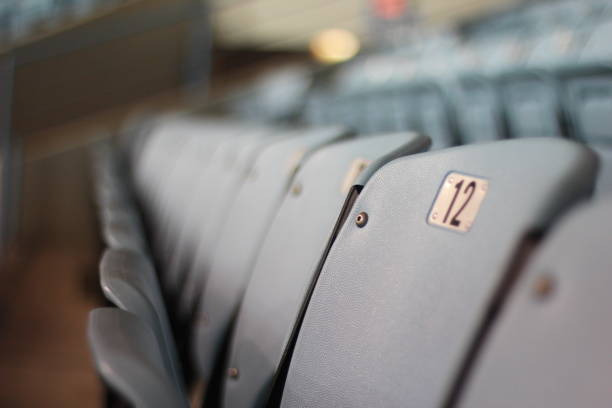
435, 116
401, 297
185, 174
550, 345
178, 186
163, 144
216, 209
381, 111
293, 247
589, 90
122, 229
588, 97
478, 110
129, 358
597, 48
248, 221
532, 104
128, 280
194, 214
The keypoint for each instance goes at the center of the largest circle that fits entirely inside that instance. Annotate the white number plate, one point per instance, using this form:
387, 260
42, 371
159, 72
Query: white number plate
458, 202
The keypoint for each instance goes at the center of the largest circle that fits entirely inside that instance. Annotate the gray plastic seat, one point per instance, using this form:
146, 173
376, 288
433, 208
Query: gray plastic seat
550, 346
533, 104
193, 165
479, 110
128, 280
171, 145
401, 297
161, 146
129, 358
212, 213
179, 185
122, 229
588, 97
206, 209
285, 265
532, 92
382, 111
181, 180
436, 117
248, 221
404, 107
120, 222
604, 178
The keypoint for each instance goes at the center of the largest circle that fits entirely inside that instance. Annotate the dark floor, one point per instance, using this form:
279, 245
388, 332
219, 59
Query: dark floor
48, 289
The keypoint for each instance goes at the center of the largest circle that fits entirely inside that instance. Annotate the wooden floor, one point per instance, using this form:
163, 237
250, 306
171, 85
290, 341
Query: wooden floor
50, 283
48, 290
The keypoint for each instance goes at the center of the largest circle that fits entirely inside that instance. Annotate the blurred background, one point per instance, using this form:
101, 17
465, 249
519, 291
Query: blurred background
73, 72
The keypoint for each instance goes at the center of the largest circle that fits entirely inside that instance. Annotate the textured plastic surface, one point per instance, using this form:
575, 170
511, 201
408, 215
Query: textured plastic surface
289, 257
216, 211
248, 221
398, 301
204, 185
129, 359
129, 281
553, 349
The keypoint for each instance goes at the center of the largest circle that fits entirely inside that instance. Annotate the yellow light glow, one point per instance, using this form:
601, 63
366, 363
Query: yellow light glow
334, 45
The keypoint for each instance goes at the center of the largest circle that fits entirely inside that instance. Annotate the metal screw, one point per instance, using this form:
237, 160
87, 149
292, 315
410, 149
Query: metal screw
233, 372
362, 219
297, 189
543, 286
434, 216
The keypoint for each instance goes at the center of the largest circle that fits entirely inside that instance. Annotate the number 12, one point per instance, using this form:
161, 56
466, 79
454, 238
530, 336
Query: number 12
468, 192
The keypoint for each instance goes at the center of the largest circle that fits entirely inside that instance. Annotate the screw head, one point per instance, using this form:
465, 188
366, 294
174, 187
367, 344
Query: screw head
362, 219
543, 286
233, 372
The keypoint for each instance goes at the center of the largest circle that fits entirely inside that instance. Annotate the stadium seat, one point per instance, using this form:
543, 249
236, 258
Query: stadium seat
400, 298
588, 98
283, 271
205, 213
248, 219
436, 118
129, 281
122, 229
550, 345
129, 359
479, 109
532, 103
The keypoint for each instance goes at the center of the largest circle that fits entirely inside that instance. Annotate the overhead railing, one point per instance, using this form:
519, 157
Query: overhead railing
27, 21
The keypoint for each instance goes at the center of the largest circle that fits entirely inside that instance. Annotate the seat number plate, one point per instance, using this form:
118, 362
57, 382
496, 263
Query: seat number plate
356, 168
458, 202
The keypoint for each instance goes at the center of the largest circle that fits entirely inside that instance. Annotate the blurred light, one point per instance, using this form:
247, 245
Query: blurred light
334, 45
390, 9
